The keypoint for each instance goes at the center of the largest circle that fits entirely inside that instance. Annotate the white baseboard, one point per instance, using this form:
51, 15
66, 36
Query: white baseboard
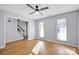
13, 40
2, 47
61, 43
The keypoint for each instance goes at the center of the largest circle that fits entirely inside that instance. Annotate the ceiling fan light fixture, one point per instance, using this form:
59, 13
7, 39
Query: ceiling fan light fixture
36, 12
36, 9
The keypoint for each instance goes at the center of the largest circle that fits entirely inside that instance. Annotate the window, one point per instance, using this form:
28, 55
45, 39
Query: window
61, 29
41, 29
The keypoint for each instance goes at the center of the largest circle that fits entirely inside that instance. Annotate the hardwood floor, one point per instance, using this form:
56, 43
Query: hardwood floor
36, 47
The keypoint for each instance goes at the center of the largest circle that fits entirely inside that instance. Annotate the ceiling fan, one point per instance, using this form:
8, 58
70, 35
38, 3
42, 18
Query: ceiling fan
36, 9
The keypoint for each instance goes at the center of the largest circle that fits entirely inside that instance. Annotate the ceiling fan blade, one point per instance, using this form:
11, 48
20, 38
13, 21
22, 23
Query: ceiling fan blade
43, 8
32, 12
30, 6
41, 13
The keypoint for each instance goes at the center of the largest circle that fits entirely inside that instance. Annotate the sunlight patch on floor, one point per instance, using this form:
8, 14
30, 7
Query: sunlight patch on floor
64, 51
37, 47
70, 52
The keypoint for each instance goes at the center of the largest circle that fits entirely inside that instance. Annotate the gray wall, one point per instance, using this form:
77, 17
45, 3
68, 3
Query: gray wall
11, 29
78, 29
1, 30
51, 27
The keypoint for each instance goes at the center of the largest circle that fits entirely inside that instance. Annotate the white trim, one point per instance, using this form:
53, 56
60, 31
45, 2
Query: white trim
13, 40
11, 17
4, 28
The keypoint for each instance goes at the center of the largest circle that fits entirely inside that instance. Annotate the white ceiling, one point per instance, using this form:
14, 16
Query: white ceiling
54, 9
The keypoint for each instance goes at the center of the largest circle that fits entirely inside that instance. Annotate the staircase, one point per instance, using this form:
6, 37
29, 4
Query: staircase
21, 31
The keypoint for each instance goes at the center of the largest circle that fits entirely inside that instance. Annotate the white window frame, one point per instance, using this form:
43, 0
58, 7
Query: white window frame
41, 29
61, 37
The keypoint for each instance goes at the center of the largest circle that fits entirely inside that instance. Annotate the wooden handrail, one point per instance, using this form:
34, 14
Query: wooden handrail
21, 28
